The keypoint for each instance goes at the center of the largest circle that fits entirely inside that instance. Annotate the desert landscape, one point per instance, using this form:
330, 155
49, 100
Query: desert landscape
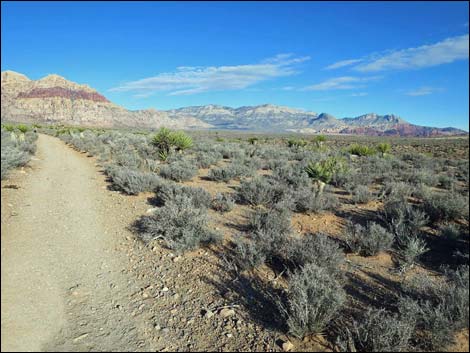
212, 227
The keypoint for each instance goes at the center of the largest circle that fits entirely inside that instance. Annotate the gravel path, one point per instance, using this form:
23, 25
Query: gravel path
64, 284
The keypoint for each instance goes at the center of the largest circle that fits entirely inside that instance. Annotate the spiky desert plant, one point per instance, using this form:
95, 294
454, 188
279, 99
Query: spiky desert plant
180, 140
384, 148
324, 170
162, 140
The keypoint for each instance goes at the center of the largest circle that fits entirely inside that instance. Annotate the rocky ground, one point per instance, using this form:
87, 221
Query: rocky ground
76, 278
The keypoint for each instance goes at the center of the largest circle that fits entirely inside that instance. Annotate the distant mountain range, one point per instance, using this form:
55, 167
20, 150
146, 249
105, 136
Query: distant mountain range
53, 99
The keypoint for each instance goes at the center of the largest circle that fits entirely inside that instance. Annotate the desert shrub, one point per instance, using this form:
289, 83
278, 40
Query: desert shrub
361, 150
314, 298
292, 176
296, 143
249, 254
261, 191
396, 191
180, 224
445, 207
409, 252
181, 170
223, 202
169, 191
15, 152
368, 240
220, 174
236, 169
132, 181
231, 151
450, 232
206, 159
361, 194
422, 176
273, 221
440, 308
377, 331
306, 199
317, 249
269, 231
403, 220
446, 182
124, 158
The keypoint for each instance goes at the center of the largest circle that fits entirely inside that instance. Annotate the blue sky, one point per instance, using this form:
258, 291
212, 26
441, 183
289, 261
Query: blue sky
344, 58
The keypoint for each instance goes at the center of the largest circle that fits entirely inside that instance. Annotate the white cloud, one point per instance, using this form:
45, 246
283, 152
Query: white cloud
443, 52
188, 80
343, 82
423, 91
343, 63
359, 94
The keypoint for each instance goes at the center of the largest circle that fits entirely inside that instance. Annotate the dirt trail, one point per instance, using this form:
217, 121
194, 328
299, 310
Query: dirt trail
64, 285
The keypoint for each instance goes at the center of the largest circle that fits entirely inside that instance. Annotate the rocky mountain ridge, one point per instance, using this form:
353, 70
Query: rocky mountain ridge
53, 99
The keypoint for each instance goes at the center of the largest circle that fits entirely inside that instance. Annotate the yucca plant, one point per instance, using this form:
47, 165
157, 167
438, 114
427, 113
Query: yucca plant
361, 150
318, 140
384, 148
181, 141
324, 170
296, 142
9, 127
162, 140
23, 128
166, 140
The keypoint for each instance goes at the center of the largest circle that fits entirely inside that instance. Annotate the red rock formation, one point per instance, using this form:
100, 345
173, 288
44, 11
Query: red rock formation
64, 93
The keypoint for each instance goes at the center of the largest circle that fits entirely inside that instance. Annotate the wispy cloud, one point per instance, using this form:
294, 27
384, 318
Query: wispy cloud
359, 94
343, 63
423, 91
443, 52
343, 82
186, 80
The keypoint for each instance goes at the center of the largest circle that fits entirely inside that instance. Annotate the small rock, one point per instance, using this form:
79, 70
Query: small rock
157, 327
287, 346
165, 289
226, 312
177, 258
80, 337
208, 314
229, 335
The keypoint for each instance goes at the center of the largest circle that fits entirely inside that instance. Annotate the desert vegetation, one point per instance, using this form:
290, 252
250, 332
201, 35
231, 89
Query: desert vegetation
357, 240
18, 145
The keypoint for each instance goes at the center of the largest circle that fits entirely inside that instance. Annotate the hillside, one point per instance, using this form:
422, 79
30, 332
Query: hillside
53, 99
